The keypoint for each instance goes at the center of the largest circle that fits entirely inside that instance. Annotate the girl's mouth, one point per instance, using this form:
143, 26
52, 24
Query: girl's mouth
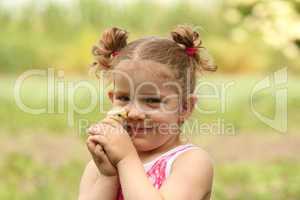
138, 130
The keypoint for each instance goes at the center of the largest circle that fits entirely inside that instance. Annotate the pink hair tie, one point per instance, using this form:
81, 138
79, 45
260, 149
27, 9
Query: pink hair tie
115, 53
191, 51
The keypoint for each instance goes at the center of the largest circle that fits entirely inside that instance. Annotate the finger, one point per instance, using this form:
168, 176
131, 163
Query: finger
101, 128
99, 151
115, 125
91, 145
105, 159
101, 154
91, 130
99, 139
94, 129
110, 122
114, 120
96, 151
97, 129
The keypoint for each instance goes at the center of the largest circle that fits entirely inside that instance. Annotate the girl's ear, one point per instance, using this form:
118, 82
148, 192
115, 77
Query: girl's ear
110, 95
188, 107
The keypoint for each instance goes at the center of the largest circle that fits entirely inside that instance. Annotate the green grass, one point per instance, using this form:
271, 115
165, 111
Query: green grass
261, 181
23, 178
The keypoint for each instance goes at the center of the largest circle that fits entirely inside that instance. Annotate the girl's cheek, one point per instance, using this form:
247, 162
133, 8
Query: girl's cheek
119, 103
170, 109
149, 109
161, 119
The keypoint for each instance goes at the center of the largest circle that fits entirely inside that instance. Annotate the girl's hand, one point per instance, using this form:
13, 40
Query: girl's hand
114, 139
102, 162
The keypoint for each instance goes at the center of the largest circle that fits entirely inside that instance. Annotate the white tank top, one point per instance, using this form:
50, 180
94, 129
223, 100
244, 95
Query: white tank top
160, 167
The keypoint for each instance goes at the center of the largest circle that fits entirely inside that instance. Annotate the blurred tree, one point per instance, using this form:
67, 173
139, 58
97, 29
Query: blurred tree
243, 35
278, 23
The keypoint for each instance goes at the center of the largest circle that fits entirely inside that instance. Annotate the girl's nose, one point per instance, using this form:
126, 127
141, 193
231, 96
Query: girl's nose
135, 112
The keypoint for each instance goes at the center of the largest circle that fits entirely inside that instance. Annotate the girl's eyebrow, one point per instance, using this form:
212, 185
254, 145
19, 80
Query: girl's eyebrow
154, 94
148, 93
121, 93
162, 95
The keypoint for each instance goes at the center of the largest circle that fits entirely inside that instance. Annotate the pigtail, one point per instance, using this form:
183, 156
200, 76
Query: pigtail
189, 40
112, 41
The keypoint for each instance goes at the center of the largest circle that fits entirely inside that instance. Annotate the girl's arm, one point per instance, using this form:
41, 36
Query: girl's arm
191, 178
95, 186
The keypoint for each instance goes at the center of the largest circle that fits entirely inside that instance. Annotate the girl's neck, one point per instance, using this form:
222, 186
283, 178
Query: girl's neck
146, 156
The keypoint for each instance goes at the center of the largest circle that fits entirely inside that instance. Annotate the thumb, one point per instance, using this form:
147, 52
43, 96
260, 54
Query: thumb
102, 155
95, 149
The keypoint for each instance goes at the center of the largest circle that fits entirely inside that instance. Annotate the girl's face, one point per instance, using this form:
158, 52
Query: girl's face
146, 90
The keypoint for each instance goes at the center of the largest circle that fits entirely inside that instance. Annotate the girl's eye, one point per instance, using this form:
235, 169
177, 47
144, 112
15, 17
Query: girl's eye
152, 100
123, 98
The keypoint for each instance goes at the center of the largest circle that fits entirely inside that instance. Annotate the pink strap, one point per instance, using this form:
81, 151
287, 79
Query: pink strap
157, 173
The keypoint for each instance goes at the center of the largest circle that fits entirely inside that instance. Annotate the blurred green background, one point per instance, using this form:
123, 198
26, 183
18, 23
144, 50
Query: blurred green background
43, 155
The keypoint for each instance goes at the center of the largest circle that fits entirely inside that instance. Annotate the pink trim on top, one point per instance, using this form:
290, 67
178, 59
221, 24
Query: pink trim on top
157, 172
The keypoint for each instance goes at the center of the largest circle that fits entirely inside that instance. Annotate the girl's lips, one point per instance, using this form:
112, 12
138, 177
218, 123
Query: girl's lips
135, 130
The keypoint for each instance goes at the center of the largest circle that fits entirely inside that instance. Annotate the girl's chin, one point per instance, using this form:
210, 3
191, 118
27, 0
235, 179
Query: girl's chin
141, 144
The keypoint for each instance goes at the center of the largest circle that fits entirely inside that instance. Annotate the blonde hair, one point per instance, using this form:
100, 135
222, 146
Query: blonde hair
168, 51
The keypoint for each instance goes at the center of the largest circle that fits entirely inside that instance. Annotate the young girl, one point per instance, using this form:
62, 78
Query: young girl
154, 79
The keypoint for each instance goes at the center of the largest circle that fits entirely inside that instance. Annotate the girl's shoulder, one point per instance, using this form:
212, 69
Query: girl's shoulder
194, 167
196, 154
189, 155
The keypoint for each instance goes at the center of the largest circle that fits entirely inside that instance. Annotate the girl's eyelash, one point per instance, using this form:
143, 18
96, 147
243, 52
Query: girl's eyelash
147, 100
123, 98
152, 100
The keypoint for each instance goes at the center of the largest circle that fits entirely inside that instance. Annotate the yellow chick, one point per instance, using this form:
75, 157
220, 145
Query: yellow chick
116, 115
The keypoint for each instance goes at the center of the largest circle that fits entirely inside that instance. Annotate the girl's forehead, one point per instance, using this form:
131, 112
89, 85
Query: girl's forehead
144, 76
